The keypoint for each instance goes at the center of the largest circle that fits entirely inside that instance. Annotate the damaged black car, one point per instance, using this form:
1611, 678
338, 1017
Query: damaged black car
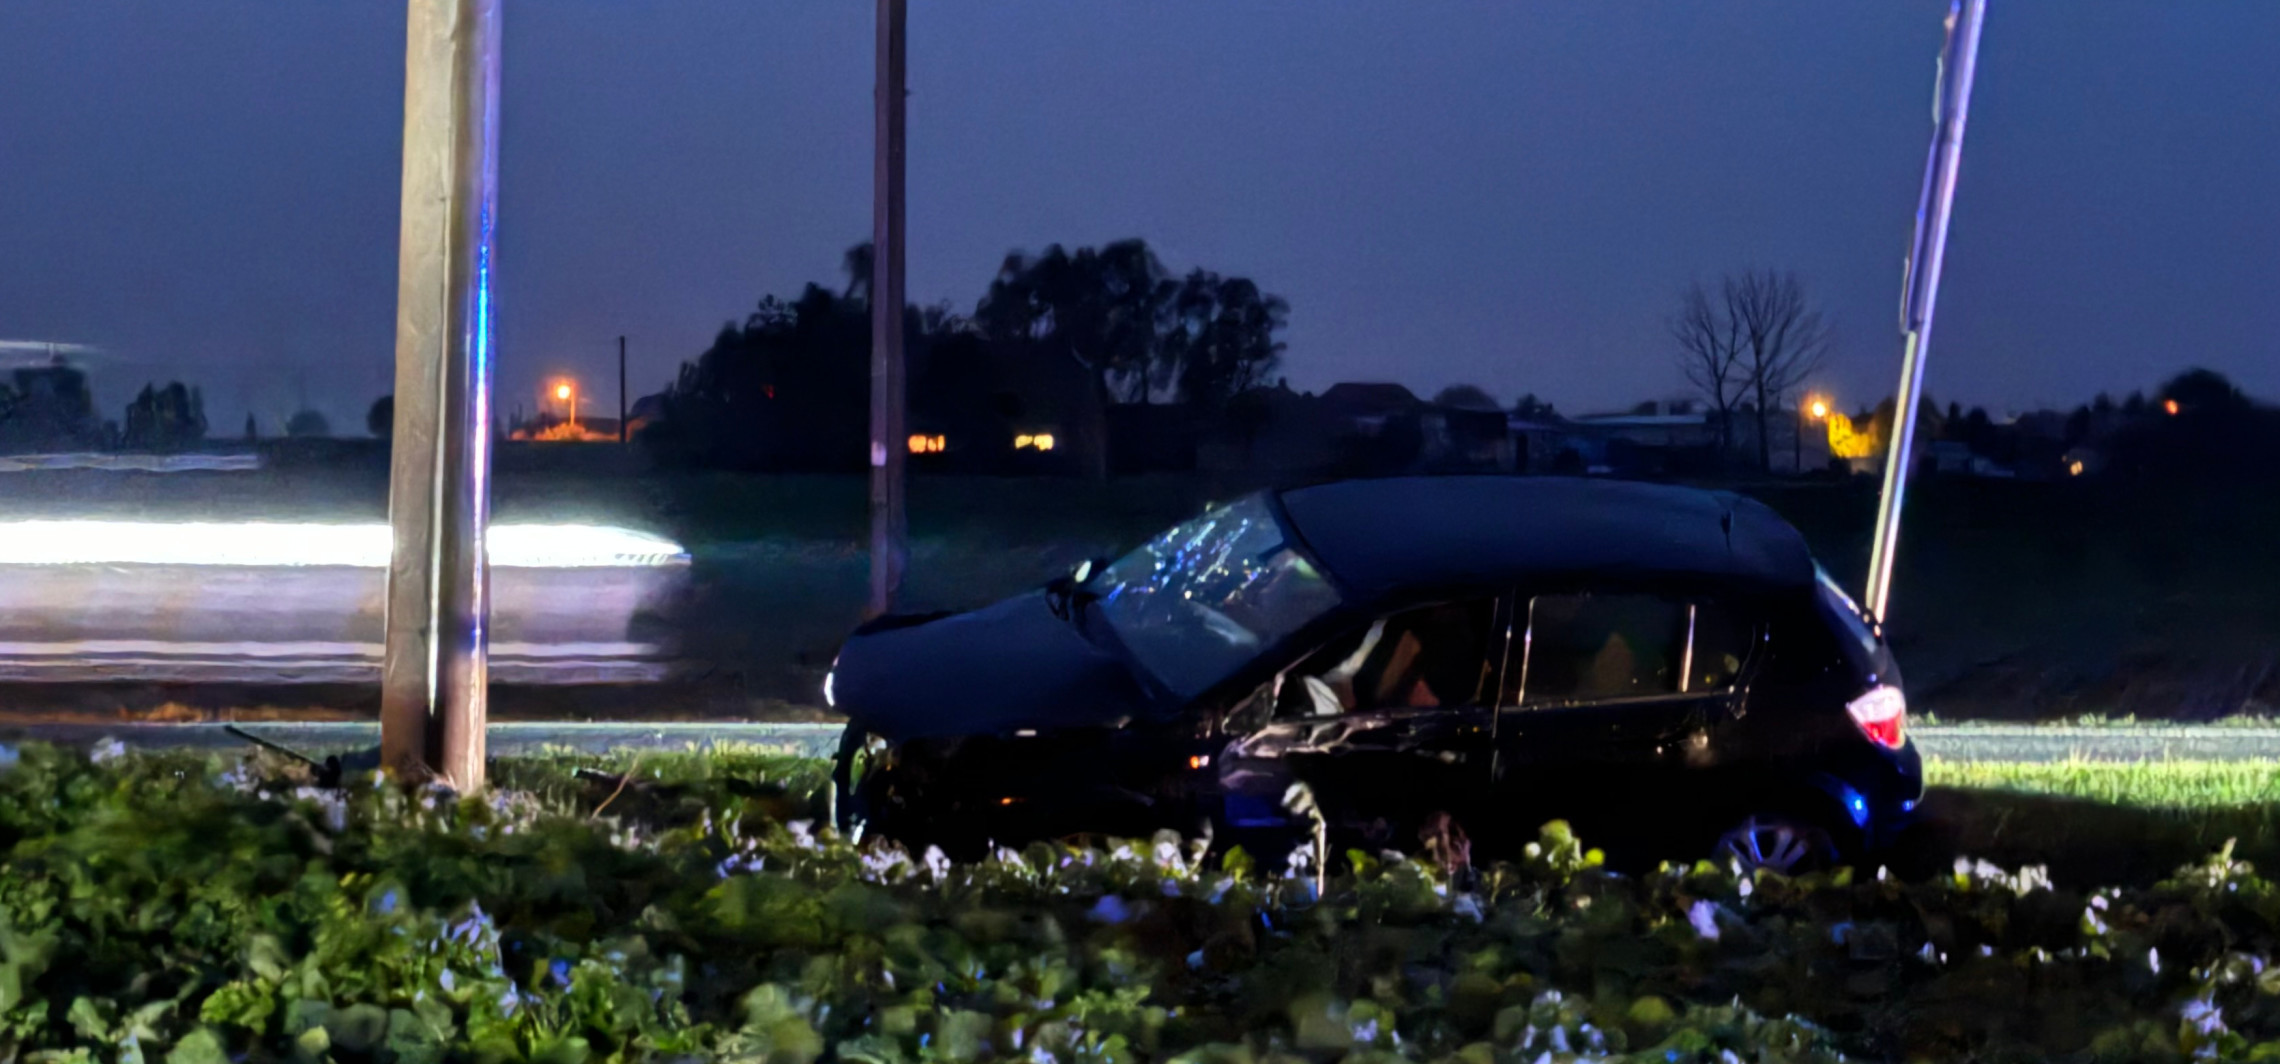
1417, 664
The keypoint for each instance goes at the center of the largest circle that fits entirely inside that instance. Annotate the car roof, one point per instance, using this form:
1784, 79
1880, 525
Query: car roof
1382, 537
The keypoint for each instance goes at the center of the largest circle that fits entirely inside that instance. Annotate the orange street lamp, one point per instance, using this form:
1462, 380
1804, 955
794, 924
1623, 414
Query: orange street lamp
1813, 409
567, 393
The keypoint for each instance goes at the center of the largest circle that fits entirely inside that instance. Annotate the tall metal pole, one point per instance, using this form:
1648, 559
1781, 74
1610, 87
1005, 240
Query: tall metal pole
434, 669
1959, 60
888, 521
622, 434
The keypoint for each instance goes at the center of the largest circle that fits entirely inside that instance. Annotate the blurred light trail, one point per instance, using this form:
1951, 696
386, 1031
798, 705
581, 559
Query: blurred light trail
360, 546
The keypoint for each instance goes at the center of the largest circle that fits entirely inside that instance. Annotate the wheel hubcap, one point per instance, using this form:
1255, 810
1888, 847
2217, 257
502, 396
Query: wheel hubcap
1773, 845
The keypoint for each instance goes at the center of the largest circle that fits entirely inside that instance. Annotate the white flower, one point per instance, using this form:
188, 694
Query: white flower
879, 864
107, 750
1745, 886
2153, 960
937, 864
2204, 1015
239, 778
1704, 917
331, 805
1366, 1033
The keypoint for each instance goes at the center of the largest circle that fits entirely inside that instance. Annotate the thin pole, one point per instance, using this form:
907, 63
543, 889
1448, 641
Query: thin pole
622, 434
1797, 440
1959, 61
434, 670
888, 521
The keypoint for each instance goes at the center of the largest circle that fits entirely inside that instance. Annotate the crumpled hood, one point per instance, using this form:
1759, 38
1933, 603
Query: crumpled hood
1006, 666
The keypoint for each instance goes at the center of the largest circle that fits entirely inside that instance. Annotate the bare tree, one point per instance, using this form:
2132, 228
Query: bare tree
1710, 350
1783, 341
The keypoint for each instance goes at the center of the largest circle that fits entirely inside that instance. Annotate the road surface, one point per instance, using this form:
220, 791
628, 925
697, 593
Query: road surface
1983, 742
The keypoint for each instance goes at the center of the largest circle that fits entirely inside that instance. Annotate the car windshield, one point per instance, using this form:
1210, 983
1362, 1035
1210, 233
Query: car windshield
1197, 602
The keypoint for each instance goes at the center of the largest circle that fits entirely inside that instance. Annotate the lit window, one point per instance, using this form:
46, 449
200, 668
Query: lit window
2170, 405
2074, 468
921, 443
1042, 441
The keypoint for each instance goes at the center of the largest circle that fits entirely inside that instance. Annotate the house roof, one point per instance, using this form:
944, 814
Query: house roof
1361, 398
1381, 537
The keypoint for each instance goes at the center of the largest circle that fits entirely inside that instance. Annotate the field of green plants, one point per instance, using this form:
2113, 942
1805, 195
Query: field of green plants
195, 909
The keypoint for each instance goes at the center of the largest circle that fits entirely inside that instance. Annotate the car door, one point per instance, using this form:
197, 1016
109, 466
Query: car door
1383, 727
1610, 704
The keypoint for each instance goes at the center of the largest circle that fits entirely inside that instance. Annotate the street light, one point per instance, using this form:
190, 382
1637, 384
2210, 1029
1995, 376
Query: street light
567, 393
1815, 408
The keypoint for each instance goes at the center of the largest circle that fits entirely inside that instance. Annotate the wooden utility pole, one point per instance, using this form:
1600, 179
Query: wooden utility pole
434, 669
623, 435
1959, 62
888, 521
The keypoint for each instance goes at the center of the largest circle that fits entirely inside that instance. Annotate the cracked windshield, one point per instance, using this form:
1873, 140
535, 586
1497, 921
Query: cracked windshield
1203, 599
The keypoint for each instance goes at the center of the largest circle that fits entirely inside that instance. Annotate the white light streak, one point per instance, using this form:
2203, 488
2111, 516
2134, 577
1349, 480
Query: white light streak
359, 546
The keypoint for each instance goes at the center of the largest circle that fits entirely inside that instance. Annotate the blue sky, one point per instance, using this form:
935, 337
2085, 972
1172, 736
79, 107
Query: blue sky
1507, 194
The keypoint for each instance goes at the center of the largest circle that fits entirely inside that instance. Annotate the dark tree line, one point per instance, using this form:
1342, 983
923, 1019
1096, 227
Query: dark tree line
1058, 338
162, 419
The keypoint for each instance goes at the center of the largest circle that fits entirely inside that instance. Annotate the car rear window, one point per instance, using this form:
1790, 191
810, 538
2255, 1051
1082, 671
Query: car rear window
1860, 638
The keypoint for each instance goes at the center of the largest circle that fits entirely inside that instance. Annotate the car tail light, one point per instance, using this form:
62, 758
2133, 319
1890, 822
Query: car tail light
1882, 715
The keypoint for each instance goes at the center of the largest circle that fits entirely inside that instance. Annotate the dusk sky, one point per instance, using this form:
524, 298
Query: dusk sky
1508, 194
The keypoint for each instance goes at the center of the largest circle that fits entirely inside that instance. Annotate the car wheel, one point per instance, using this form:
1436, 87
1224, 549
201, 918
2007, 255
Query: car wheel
1774, 843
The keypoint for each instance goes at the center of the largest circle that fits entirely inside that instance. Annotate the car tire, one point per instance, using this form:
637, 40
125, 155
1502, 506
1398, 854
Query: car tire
1774, 842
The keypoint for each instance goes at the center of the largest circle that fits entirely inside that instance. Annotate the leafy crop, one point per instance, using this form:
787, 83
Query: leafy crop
2183, 785
195, 911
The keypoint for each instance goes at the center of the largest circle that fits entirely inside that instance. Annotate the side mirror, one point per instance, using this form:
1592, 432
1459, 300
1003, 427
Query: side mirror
1065, 591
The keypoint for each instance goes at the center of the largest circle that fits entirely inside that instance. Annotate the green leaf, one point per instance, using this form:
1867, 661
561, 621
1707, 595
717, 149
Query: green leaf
200, 1046
569, 1050
413, 1039
91, 1020
358, 1028
245, 1003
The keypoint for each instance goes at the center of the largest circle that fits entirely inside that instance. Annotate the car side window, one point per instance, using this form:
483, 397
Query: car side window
1598, 647
1438, 655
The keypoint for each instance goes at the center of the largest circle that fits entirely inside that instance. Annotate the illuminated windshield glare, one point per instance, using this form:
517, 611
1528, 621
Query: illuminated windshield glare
1199, 601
